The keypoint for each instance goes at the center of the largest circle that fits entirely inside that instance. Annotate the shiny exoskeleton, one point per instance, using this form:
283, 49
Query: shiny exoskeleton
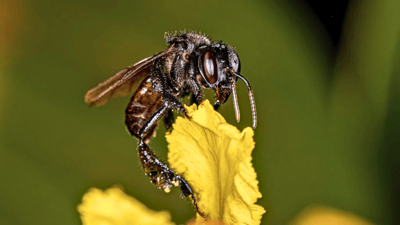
190, 63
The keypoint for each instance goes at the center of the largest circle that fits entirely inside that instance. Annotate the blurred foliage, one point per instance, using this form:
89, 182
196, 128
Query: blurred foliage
328, 130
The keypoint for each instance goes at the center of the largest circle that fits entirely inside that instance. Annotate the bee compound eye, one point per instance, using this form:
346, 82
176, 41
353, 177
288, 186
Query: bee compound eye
209, 64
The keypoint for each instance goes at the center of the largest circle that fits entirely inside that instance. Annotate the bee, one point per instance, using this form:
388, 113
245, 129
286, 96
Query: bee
191, 62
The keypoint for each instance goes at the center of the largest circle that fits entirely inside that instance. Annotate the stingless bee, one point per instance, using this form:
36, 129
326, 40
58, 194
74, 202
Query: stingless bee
191, 62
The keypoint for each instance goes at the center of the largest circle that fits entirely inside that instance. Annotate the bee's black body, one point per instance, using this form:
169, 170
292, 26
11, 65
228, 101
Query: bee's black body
190, 63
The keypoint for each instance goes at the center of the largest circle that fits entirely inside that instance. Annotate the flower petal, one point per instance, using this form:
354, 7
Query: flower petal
114, 207
316, 215
215, 159
206, 222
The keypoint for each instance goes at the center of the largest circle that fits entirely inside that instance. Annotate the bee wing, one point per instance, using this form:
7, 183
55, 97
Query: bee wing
123, 82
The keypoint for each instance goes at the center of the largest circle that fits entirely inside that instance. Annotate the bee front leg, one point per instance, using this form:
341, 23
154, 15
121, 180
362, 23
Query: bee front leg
197, 94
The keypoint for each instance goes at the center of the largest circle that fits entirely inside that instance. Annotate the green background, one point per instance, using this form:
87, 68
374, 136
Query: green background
328, 130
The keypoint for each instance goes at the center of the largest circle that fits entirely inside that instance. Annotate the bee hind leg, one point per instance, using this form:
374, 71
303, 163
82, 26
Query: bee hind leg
169, 119
187, 191
216, 107
159, 173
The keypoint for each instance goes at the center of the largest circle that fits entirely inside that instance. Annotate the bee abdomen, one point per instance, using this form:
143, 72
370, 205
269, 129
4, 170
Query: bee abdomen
143, 104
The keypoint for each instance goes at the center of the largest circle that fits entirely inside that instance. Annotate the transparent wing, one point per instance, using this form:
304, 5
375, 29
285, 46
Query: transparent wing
123, 82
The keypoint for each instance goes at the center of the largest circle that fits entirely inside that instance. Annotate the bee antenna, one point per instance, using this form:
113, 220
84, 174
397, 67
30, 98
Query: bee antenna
235, 101
251, 97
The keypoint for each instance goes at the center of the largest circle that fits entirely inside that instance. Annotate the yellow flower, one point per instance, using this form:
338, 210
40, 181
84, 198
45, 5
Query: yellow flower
323, 215
215, 159
114, 207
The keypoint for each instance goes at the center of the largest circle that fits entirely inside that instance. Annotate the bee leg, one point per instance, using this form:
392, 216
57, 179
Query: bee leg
193, 100
195, 86
152, 121
159, 173
187, 191
169, 119
161, 84
216, 107
174, 103
197, 94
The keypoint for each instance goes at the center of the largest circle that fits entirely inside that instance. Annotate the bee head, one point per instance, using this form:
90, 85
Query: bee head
219, 67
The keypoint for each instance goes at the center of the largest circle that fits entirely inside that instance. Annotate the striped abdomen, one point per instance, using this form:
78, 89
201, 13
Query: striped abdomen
144, 103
